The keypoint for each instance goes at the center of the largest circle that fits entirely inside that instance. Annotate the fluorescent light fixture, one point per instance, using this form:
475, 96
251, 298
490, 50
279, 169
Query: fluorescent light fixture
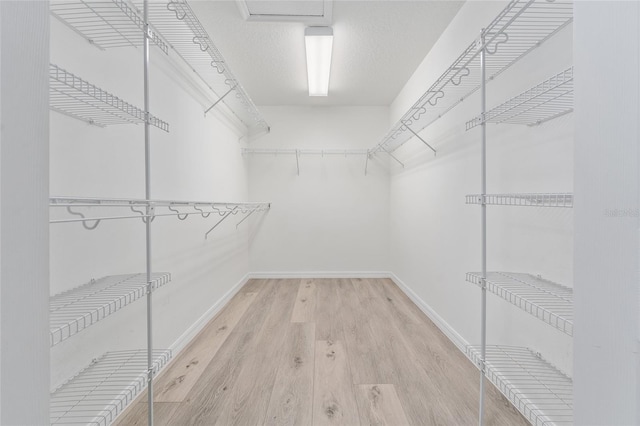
319, 44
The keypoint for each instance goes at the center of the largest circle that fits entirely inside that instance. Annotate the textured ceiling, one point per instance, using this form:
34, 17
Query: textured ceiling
377, 47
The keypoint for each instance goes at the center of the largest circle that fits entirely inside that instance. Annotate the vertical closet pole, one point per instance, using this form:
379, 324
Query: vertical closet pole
483, 207
147, 193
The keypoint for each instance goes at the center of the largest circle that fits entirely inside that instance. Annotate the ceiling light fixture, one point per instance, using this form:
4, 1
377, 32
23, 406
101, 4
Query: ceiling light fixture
319, 44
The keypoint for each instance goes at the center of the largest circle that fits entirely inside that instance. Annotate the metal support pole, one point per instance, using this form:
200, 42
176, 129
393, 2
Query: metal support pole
219, 100
418, 136
147, 194
483, 209
366, 163
298, 160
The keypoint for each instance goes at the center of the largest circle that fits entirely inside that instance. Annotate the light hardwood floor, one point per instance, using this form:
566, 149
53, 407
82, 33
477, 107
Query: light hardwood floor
321, 352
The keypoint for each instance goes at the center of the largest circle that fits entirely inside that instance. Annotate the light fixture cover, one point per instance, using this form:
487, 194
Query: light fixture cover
319, 45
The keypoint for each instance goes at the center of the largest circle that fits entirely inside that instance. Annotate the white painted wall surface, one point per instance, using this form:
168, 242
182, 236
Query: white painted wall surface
331, 218
607, 355
198, 160
435, 237
24, 249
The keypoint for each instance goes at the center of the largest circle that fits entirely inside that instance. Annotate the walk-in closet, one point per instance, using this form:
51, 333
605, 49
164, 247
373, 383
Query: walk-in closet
319, 212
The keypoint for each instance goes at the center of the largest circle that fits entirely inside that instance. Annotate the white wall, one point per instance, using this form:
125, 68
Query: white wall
198, 160
24, 250
607, 309
331, 218
435, 237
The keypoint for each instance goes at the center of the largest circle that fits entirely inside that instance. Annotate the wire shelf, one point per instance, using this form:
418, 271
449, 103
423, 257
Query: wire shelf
82, 209
545, 300
541, 392
519, 28
548, 100
105, 23
74, 310
97, 394
75, 97
528, 200
178, 24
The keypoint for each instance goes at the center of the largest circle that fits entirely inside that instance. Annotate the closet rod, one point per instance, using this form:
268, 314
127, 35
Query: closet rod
291, 151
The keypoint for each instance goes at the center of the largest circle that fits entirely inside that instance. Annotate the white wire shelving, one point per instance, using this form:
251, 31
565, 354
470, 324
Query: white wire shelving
541, 392
548, 301
74, 310
105, 23
550, 99
528, 200
521, 27
75, 97
83, 210
101, 391
310, 151
178, 24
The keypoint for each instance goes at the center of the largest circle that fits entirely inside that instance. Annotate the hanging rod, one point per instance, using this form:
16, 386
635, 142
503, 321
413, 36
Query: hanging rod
105, 23
321, 152
550, 99
178, 24
521, 27
77, 98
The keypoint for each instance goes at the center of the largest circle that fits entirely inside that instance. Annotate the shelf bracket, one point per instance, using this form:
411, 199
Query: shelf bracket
245, 218
418, 136
298, 160
392, 156
219, 100
219, 222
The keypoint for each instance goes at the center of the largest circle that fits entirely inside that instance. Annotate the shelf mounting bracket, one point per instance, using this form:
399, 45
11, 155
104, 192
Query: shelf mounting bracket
245, 218
220, 99
220, 221
418, 136
392, 156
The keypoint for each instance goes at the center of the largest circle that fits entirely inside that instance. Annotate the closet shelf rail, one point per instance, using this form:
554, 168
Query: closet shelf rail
178, 24
75, 97
82, 209
105, 23
287, 151
550, 99
74, 310
101, 391
521, 27
548, 301
322, 152
541, 392
528, 199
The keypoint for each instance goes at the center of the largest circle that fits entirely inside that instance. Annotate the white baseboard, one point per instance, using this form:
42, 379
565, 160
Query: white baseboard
195, 328
320, 274
444, 326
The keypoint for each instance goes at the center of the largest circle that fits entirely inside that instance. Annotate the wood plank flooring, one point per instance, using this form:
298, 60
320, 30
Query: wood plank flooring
321, 352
